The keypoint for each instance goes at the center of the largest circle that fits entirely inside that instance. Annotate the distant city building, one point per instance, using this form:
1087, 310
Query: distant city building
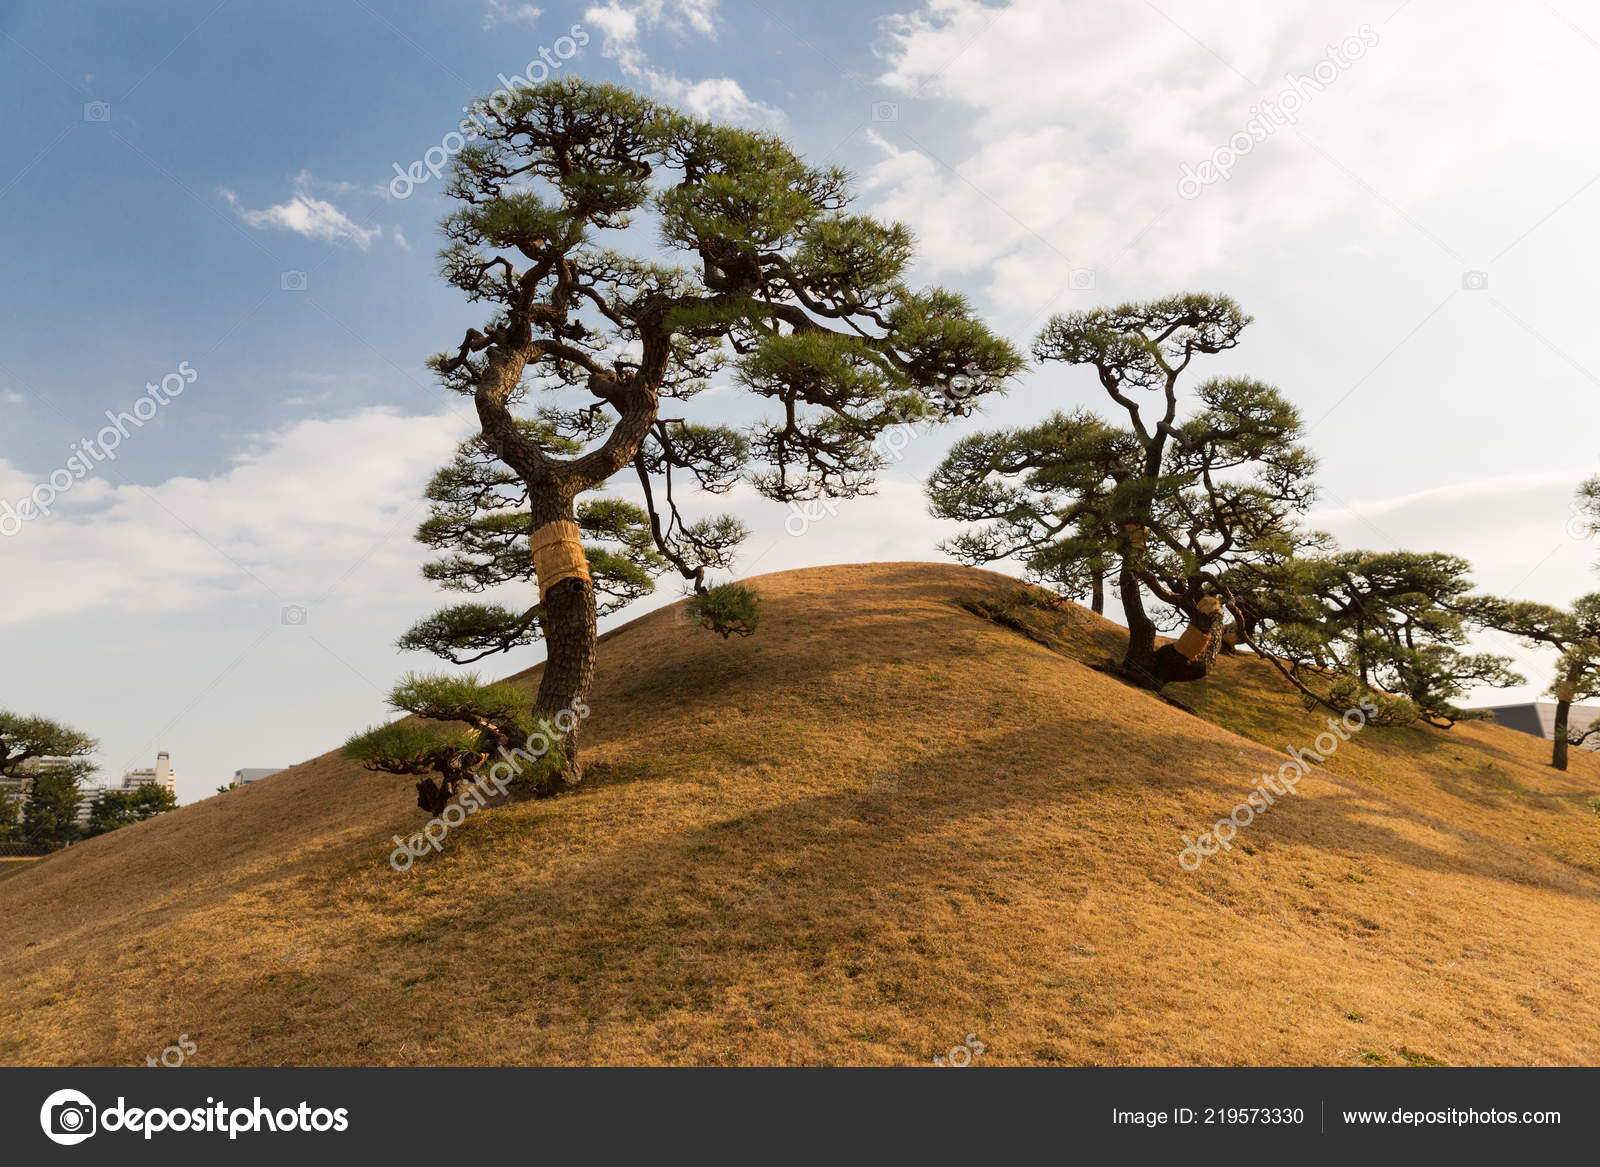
247, 776
86, 797
32, 766
162, 775
22, 786
1539, 719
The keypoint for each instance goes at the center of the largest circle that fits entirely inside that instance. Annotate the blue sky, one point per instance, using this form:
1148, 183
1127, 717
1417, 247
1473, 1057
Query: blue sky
122, 222
1035, 147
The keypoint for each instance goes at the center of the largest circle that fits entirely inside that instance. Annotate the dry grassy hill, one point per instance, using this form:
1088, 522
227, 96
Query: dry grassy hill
881, 824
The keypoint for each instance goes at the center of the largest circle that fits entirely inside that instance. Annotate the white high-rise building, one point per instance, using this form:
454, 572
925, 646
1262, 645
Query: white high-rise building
162, 775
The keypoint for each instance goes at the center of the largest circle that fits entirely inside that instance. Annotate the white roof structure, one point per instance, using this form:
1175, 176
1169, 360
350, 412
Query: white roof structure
255, 774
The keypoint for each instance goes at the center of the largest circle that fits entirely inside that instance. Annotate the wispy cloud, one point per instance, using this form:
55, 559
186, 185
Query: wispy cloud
502, 12
622, 23
1498, 486
306, 214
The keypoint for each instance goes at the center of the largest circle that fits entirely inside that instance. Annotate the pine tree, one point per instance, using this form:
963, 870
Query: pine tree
10, 814
1158, 505
118, 808
759, 263
463, 730
1575, 634
50, 759
50, 815
1384, 627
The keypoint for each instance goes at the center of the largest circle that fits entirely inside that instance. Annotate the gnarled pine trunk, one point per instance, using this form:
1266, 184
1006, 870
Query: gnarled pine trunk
1565, 691
569, 623
570, 629
1138, 663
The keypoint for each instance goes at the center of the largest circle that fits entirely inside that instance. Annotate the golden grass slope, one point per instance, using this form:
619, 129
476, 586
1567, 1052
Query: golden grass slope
877, 826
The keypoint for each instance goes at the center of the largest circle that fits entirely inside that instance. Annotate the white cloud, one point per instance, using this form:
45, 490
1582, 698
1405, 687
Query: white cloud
1496, 486
153, 616
619, 26
12, 398
716, 98
1079, 118
622, 23
306, 181
503, 12
305, 214
287, 518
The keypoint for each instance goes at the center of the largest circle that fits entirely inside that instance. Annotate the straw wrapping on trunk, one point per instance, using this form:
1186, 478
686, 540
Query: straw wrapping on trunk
557, 555
1197, 637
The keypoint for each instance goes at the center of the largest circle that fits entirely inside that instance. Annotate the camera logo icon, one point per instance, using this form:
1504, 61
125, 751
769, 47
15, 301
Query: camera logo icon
96, 111
885, 111
68, 1117
292, 281
1081, 279
292, 616
1475, 281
